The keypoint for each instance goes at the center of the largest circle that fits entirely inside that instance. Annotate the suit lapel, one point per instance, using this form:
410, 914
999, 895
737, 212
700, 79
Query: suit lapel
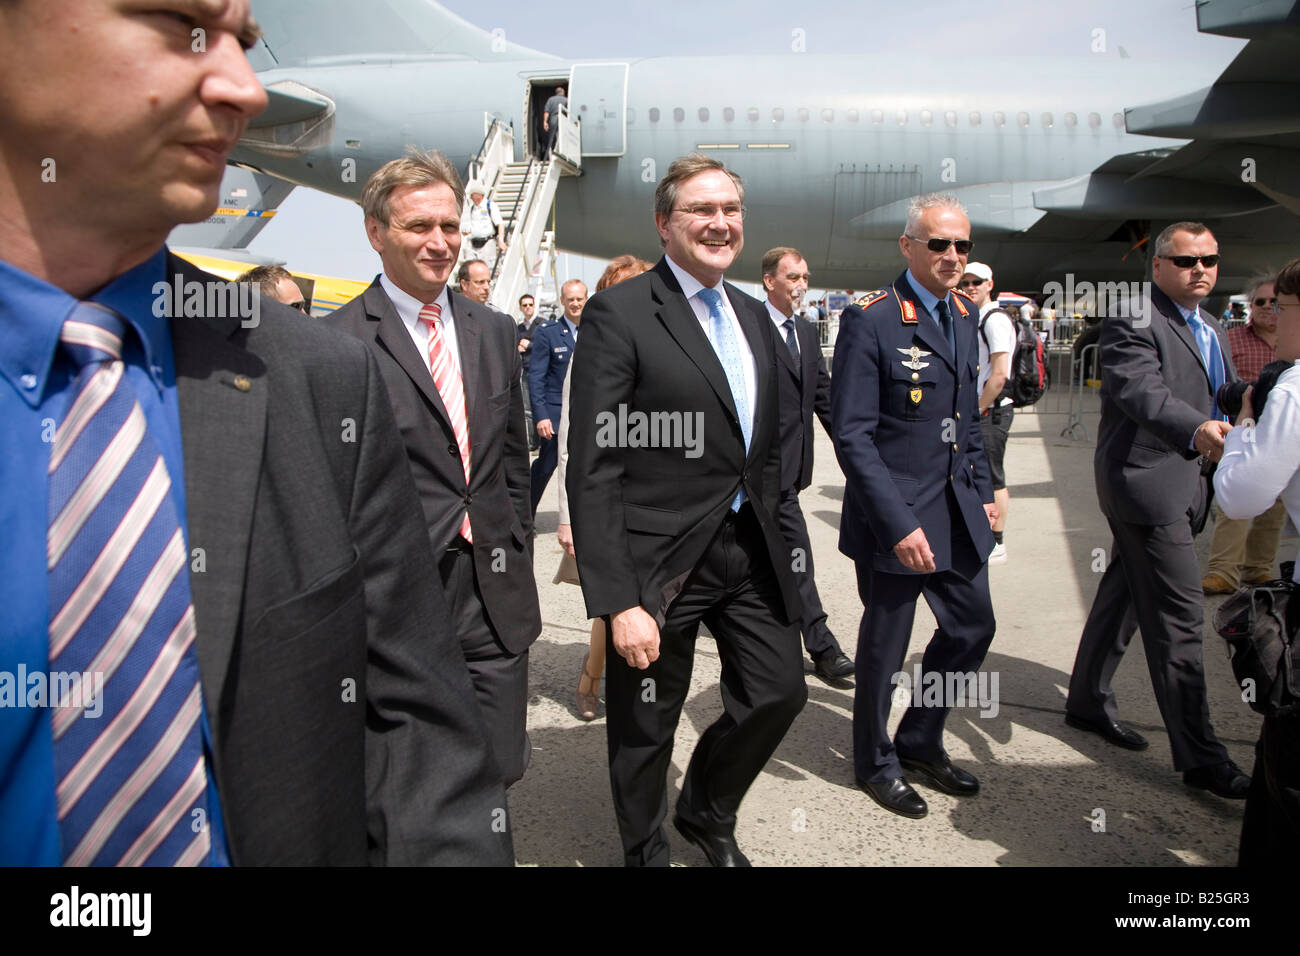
1169, 309
676, 315
809, 347
468, 342
222, 393
391, 333
782, 349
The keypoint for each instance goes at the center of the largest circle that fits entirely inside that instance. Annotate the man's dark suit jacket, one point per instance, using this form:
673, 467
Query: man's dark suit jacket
497, 496
805, 392
343, 720
1155, 393
905, 435
643, 517
550, 354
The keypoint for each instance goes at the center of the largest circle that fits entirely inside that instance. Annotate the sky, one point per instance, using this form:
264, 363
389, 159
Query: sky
318, 233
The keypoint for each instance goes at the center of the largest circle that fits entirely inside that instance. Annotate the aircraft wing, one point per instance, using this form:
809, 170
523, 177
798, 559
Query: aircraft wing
1243, 129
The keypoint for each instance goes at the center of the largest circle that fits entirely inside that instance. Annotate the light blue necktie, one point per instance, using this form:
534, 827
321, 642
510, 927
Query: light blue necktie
129, 762
728, 351
1208, 343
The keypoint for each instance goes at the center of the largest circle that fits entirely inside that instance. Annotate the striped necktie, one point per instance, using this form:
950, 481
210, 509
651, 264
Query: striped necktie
447, 380
728, 350
129, 764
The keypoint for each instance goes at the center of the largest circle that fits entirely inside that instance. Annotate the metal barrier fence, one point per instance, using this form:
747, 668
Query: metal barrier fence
1068, 384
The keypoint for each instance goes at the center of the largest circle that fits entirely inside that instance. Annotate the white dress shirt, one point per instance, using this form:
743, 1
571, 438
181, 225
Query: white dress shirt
691, 287
408, 310
780, 321
1261, 462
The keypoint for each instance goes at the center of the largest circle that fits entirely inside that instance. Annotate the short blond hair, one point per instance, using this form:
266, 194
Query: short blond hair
419, 168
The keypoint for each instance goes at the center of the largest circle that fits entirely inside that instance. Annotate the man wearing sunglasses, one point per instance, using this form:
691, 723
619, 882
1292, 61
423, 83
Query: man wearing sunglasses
918, 500
276, 282
1242, 551
1160, 371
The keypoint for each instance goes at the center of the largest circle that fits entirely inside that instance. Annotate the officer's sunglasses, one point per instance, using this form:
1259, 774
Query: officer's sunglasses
1186, 262
963, 246
971, 283
1262, 302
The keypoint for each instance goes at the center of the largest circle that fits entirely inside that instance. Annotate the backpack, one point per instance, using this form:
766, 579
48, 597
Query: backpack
1027, 379
1265, 660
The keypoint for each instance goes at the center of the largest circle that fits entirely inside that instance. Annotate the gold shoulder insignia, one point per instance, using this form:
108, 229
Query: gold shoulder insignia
869, 298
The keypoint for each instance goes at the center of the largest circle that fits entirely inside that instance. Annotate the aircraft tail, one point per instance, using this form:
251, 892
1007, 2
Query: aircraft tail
332, 31
248, 202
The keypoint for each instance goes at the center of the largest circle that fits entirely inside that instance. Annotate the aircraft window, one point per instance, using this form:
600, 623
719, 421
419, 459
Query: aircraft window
950, 118
1118, 120
877, 116
1022, 118
803, 114
631, 116
1048, 122
704, 114
1094, 120
728, 114
926, 117
752, 113
1071, 120
654, 114
828, 116
679, 114
901, 116
778, 115
999, 118
975, 118
851, 115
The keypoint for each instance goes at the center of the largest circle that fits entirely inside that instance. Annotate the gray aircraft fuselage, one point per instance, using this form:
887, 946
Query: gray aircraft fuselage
830, 149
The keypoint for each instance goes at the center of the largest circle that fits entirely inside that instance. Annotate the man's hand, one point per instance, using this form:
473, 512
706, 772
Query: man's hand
525, 344
991, 510
565, 533
546, 430
1208, 439
1247, 405
914, 551
636, 637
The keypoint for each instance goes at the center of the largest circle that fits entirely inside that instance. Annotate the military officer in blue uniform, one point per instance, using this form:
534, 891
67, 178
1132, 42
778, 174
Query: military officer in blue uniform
550, 353
918, 499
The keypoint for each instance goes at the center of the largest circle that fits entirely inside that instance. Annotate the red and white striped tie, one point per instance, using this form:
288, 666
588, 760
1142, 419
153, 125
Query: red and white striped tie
451, 388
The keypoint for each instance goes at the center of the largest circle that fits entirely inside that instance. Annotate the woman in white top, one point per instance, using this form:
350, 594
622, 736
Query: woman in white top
1261, 461
624, 267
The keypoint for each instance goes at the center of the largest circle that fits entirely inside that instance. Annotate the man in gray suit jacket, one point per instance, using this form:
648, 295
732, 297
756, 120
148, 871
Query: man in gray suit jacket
1161, 369
332, 717
451, 367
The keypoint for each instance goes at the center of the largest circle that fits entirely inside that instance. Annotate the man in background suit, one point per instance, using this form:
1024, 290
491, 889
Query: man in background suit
681, 528
1160, 370
315, 685
452, 373
551, 352
805, 387
918, 501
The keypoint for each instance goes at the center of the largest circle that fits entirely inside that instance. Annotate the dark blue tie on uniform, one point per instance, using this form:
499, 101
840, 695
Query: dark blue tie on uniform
945, 323
129, 765
1208, 343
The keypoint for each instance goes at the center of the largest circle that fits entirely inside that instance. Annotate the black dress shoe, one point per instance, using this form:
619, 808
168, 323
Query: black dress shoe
1112, 730
833, 666
944, 776
720, 848
897, 797
1224, 779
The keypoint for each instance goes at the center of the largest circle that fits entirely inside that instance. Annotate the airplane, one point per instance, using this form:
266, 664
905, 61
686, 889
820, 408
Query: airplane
1062, 175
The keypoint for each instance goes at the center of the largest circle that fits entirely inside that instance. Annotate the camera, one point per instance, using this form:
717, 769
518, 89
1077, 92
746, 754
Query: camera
1230, 395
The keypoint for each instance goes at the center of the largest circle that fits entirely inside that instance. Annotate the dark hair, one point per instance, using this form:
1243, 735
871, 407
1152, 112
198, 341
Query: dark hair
772, 258
267, 278
1288, 280
1166, 237
463, 272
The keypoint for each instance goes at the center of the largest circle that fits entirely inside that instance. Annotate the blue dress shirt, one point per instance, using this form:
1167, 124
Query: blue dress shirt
35, 392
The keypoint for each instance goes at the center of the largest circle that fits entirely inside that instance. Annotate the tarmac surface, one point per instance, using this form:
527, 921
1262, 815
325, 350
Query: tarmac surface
1050, 795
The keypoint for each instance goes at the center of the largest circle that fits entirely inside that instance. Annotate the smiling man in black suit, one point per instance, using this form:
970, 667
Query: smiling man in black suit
674, 517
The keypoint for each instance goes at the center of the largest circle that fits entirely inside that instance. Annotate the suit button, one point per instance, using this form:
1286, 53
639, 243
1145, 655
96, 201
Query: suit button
454, 449
954, 447
916, 376
469, 500
959, 416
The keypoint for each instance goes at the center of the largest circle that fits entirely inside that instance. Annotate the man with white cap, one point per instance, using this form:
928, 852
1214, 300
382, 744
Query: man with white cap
482, 224
997, 340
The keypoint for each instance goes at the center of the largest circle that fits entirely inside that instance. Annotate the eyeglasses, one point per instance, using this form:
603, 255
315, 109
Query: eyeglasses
705, 212
300, 305
1186, 262
1261, 302
963, 246
1279, 305
971, 283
